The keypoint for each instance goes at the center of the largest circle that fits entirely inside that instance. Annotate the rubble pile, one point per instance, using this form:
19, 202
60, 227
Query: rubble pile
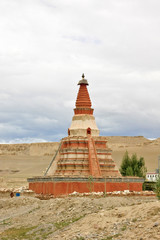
115, 193
13, 191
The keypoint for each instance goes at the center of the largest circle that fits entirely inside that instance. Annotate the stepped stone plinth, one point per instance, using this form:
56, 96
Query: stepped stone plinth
83, 158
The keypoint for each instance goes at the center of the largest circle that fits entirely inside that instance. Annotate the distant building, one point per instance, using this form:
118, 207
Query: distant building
152, 176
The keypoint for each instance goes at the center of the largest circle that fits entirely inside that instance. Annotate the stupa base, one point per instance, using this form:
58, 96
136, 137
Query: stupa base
58, 186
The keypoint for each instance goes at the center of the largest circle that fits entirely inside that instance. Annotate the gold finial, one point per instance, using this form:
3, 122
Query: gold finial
83, 75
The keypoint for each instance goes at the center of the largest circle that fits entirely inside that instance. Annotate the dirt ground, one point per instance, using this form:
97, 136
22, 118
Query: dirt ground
80, 218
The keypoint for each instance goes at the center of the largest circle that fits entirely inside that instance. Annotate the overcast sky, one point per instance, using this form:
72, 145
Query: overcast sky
46, 45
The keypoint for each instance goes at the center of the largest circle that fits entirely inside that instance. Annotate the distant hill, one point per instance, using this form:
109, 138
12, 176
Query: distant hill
149, 149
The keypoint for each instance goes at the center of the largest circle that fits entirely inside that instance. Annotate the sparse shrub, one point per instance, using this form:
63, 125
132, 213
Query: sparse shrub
17, 233
90, 184
149, 186
62, 224
124, 228
157, 189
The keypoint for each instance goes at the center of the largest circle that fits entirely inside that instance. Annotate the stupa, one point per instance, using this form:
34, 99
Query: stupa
83, 161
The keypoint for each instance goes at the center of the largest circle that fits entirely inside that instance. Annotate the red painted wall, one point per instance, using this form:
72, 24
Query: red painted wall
64, 188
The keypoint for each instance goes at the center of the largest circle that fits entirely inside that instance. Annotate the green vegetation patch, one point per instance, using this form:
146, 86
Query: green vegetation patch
63, 223
149, 186
5, 222
29, 233
124, 227
17, 233
134, 220
132, 166
111, 237
80, 238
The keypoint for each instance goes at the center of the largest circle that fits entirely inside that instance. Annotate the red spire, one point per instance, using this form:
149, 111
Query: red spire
83, 102
83, 99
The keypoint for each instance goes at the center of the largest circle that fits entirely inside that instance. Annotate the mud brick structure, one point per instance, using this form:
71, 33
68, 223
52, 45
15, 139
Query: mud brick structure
83, 162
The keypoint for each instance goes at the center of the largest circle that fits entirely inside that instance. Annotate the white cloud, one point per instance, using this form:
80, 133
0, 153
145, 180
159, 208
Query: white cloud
45, 45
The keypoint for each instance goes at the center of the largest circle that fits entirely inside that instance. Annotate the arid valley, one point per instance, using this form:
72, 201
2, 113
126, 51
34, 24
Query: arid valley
75, 217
